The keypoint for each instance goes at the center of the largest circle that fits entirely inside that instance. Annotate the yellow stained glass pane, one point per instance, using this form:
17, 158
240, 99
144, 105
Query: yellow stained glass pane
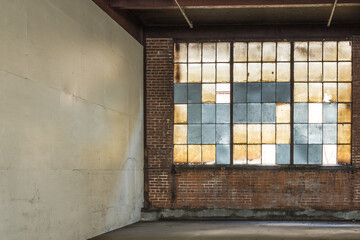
208, 54
283, 72
315, 51
344, 133
330, 70
315, 92
254, 52
344, 113
344, 49
208, 154
180, 52
240, 52
254, 133
180, 153
239, 132
268, 133
282, 133
240, 152
300, 72
344, 92
223, 52
194, 73
300, 51
268, 72
180, 73
330, 92
269, 51
344, 72
330, 51
344, 154
208, 73
254, 154
282, 113
300, 92
194, 154
180, 134
283, 51
254, 72
223, 72
208, 93
315, 71
194, 52
180, 113
240, 72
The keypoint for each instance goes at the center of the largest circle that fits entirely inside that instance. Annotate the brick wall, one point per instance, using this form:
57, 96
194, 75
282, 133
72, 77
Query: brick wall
231, 187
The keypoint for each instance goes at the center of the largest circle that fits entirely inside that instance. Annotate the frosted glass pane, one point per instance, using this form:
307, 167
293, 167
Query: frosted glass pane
180, 112
194, 113
254, 92
194, 154
194, 92
315, 51
315, 154
330, 113
254, 52
344, 49
254, 154
282, 113
268, 155
208, 93
180, 153
194, 134
300, 92
300, 51
208, 134
329, 133
223, 52
344, 113
268, 72
330, 51
330, 70
301, 72
254, 133
240, 72
315, 112
344, 154
282, 133
222, 154
283, 51
282, 154
180, 52
329, 154
330, 92
344, 133
254, 72
180, 93
194, 73
300, 112
315, 134
269, 51
222, 133
240, 52
315, 71
223, 72
208, 52
344, 72
315, 92
240, 114
254, 112
268, 133
208, 73
283, 72
194, 52
240, 152
208, 113
282, 92
300, 133
268, 112
239, 131
223, 93
208, 154
222, 113
180, 134
239, 92
344, 92
268, 92
180, 73
300, 154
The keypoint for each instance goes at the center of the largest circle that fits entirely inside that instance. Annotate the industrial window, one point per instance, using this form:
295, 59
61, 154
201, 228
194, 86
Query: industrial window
262, 103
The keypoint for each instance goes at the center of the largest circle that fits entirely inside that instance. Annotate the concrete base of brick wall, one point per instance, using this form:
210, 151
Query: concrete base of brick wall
261, 215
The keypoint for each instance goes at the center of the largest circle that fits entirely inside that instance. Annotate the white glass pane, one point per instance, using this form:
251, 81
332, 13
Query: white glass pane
315, 112
240, 52
268, 154
255, 52
329, 154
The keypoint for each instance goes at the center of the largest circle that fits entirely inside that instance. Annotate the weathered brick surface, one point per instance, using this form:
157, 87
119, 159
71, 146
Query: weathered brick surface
176, 188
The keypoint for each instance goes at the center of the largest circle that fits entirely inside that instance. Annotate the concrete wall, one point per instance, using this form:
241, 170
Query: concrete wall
71, 125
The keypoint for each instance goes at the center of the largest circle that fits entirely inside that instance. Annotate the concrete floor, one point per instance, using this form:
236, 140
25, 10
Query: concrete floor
208, 230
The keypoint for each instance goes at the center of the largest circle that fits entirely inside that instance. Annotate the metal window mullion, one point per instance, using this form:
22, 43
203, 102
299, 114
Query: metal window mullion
231, 102
292, 103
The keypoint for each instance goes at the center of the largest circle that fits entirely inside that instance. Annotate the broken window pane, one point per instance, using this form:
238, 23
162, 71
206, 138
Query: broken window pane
344, 92
208, 154
282, 113
268, 92
254, 72
315, 92
330, 51
330, 92
254, 92
282, 154
208, 73
208, 134
254, 52
300, 133
254, 112
315, 112
240, 72
268, 155
222, 113
180, 93
330, 70
194, 113
223, 72
344, 113
300, 72
240, 152
254, 133
180, 52
180, 153
300, 112
240, 114
329, 154
239, 131
194, 52
254, 154
300, 51
282, 133
300, 154
329, 133
240, 52
268, 133
223, 52
222, 133
180, 134
329, 113
239, 92
344, 154
282, 92
283, 72
208, 93
208, 52
180, 113
194, 154
315, 134
300, 92
283, 51
269, 51
315, 72
344, 49
268, 72
222, 154
194, 92
344, 133
344, 72
315, 51
180, 73
315, 154
208, 113
223, 93
194, 134
268, 112
194, 73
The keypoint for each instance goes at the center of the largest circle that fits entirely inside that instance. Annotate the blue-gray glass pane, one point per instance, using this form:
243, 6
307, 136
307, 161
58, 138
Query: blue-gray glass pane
194, 93
315, 154
268, 112
208, 113
180, 93
300, 154
315, 134
222, 154
300, 112
239, 112
222, 113
254, 92
194, 113
239, 92
254, 112
330, 133
208, 134
282, 92
282, 154
300, 133
194, 133
268, 92
222, 133
330, 113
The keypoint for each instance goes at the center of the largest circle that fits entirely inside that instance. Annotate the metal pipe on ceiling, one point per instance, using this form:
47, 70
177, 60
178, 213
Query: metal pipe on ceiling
332, 13
184, 14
